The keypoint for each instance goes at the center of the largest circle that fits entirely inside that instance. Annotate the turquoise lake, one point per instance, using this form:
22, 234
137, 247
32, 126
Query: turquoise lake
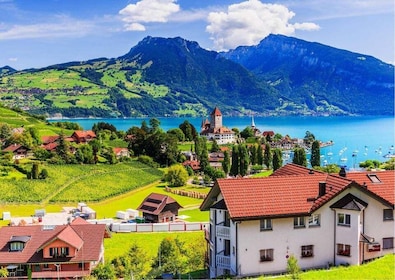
355, 139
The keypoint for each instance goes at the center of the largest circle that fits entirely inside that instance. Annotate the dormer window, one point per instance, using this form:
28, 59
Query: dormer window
17, 243
59, 252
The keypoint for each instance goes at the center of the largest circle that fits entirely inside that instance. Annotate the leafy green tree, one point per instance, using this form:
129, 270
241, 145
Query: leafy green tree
226, 162
315, 159
299, 156
235, 168
177, 133
41, 153
43, 174
189, 130
268, 157
84, 154
203, 160
104, 271
3, 272
62, 149
170, 258
244, 160
277, 159
247, 132
155, 124
330, 168
293, 268
176, 176
140, 262
5, 130
308, 138
215, 147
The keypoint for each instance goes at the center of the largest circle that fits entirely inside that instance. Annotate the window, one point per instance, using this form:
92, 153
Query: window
53, 252
299, 222
307, 251
266, 255
343, 219
314, 220
266, 224
64, 251
388, 243
388, 214
16, 246
343, 249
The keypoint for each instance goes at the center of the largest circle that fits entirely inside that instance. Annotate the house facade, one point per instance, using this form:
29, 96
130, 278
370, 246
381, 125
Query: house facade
52, 252
159, 208
19, 151
321, 219
214, 130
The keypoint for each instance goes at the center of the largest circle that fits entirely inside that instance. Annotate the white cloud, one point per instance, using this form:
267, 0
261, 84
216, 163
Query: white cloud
248, 22
13, 59
145, 11
65, 27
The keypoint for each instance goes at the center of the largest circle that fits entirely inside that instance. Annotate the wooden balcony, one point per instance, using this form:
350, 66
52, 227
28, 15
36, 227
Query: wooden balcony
223, 232
223, 262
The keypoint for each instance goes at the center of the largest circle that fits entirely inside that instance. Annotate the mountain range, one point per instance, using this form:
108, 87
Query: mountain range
176, 77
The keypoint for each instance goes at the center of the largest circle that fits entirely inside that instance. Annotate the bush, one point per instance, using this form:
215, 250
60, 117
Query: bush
148, 161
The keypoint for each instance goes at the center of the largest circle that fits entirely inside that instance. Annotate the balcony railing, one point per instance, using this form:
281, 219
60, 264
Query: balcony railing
223, 232
223, 262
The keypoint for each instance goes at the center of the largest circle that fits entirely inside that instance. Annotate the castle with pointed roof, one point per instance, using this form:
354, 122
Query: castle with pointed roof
214, 130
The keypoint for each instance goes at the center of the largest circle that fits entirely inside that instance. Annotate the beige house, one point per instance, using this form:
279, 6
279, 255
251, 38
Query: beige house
213, 129
321, 219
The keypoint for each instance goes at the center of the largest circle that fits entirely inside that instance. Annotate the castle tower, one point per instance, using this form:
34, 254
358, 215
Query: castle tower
216, 118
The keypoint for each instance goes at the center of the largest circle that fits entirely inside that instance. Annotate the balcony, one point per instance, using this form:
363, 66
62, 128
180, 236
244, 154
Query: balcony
223, 262
223, 232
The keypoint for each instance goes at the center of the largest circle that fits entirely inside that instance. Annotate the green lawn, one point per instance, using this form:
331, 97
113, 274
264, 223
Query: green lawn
379, 269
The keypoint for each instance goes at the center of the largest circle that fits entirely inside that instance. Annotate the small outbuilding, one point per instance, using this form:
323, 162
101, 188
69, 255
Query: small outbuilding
159, 208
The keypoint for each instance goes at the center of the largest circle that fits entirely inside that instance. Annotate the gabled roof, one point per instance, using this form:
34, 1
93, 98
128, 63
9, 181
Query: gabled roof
350, 202
49, 139
12, 148
84, 133
155, 203
277, 196
292, 190
216, 112
91, 234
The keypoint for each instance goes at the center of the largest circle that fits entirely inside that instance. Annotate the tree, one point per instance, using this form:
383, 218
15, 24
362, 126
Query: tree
155, 124
177, 133
140, 262
315, 159
34, 171
5, 130
299, 156
170, 258
308, 138
189, 130
247, 132
226, 162
259, 155
215, 147
293, 268
104, 271
277, 159
62, 149
244, 160
234, 168
253, 154
3, 272
43, 174
268, 157
176, 176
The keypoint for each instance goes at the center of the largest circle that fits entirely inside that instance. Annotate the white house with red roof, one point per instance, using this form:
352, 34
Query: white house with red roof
321, 219
52, 252
214, 130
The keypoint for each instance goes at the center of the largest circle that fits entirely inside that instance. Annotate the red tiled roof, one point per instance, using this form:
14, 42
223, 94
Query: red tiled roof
194, 164
294, 190
50, 146
12, 148
385, 188
49, 139
84, 133
277, 195
269, 132
119, 150
216, 112
91, 234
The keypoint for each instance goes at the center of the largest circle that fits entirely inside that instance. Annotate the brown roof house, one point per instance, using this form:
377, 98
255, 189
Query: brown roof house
18, 150
159, 208
52, 252
83, 136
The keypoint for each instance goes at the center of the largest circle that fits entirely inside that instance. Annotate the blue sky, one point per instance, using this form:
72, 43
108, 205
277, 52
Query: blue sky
39, 33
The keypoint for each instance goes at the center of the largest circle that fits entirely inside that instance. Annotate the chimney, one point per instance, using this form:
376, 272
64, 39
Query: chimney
342, 172
321, 189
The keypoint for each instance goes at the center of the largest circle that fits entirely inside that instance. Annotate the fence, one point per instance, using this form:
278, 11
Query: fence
187, 193
158, 227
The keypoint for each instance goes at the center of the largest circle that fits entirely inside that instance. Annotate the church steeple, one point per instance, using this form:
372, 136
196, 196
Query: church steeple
252, 122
